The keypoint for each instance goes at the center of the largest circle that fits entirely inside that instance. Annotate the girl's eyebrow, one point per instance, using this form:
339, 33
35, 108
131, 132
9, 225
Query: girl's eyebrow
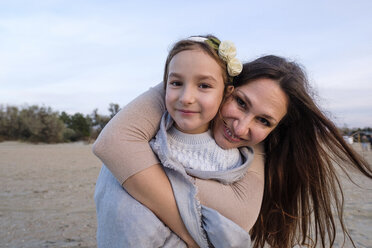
207, 77
174, 74
249, 103
201, 77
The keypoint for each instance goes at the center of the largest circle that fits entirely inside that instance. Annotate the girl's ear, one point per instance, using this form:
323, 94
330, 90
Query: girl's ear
229, 90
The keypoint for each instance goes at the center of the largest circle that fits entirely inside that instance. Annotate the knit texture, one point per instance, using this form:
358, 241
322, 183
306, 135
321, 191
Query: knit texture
201, 152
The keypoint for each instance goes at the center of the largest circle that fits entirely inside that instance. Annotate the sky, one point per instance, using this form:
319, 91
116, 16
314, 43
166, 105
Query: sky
76, 56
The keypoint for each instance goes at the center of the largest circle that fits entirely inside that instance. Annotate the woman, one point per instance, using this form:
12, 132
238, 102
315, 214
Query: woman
301, 153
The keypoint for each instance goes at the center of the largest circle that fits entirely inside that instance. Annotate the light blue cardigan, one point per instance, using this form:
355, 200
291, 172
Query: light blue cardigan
124, 222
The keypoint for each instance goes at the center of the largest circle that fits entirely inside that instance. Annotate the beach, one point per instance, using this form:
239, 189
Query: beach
47, 195
47, 192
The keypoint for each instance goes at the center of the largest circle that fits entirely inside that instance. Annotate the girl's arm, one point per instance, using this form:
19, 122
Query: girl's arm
152, 188
123, 147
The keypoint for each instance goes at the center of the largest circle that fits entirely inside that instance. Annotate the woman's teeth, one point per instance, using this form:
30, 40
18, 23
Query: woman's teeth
231, 134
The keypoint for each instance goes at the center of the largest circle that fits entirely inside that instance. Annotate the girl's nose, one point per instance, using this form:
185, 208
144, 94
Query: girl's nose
187, 96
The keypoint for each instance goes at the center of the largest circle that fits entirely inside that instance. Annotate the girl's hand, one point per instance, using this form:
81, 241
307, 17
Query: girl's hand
152, 188
192, 244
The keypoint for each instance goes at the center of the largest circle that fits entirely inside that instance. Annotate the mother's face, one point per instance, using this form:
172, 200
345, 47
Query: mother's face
250, 113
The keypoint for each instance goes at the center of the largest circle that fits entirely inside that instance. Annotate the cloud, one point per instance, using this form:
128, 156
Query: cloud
78, 55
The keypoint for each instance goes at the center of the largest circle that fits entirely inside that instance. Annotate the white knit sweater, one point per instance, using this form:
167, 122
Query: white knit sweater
201, 152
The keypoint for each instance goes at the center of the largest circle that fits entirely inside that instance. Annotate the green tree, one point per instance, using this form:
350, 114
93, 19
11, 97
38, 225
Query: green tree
114, 109
77, 126
40, 124
81, 125
98, 123
9, 122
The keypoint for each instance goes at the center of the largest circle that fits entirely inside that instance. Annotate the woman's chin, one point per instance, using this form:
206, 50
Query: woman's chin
223, 142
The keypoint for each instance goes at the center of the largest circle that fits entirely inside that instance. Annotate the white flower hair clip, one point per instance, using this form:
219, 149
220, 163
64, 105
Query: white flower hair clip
226, 51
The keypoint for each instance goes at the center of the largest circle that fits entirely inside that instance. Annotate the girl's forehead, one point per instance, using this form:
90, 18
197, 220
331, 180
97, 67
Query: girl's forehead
193, 65
193, 49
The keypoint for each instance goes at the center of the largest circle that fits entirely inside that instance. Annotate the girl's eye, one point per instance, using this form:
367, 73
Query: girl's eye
264, 121
204, 86
240, 102
175, 83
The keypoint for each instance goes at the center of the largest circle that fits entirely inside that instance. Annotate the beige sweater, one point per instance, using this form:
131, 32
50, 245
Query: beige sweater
123, 147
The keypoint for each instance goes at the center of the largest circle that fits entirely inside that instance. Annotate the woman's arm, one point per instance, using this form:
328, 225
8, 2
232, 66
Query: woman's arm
240, 201
123, 144
123, 147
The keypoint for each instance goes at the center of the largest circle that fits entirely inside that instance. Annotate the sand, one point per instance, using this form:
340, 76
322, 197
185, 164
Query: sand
46, 197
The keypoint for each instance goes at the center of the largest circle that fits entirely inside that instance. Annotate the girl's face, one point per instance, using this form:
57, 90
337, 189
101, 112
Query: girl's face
194, 90
250, 113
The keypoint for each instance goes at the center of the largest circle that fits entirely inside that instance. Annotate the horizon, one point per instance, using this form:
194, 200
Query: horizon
75, 56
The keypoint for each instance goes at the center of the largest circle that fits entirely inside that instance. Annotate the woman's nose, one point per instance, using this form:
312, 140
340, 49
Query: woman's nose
242, 126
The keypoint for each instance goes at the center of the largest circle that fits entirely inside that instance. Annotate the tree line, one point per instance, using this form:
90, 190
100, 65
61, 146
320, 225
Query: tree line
42, 124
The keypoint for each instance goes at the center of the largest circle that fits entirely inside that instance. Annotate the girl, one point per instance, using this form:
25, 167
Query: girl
196, 73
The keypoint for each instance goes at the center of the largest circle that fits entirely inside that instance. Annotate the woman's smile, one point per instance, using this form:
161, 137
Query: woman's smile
250, 113
228, 133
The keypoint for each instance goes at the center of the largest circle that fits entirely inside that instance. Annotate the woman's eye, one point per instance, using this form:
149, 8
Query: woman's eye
240, 102
264, 121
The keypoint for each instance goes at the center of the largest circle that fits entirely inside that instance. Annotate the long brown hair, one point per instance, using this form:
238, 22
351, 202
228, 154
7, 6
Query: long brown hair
302, 153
